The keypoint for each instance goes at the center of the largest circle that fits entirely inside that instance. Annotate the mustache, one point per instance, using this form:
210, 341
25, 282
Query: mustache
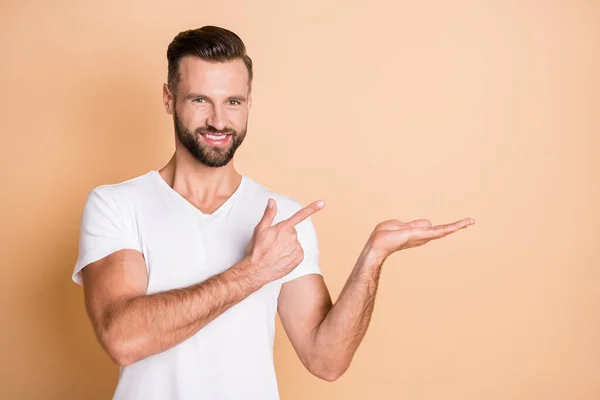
213, 130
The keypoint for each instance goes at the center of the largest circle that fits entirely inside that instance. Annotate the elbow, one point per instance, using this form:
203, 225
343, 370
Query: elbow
122, 359
118, 348
333, 375
120, 352
329, 372
116, 338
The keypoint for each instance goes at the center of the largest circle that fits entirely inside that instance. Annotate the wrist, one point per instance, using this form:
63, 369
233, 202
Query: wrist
371, 258
247, 273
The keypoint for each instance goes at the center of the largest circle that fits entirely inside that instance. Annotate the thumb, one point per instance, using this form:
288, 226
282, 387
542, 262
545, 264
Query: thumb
420, 223
267, 219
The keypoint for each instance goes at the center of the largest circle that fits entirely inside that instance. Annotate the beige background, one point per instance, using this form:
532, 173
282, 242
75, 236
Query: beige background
385, 109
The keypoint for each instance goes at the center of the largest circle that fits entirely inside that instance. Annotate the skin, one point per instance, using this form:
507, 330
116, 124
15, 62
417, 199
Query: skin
131, 325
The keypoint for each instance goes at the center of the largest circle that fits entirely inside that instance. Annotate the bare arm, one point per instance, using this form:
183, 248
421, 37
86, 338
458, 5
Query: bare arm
131, 325
326, 336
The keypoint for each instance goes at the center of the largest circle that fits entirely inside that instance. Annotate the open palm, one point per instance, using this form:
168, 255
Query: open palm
393, 235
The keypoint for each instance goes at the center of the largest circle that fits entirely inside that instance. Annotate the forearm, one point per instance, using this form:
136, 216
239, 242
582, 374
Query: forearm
340, 333
145, 325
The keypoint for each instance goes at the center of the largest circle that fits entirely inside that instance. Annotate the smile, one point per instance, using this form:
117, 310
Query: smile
216, 140
215, 137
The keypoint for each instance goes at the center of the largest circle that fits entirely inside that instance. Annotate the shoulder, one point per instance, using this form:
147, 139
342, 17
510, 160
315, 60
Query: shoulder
121, 195
123, 189
286, 205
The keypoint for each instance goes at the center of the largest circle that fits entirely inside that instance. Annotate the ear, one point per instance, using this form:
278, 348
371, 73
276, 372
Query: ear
168, 99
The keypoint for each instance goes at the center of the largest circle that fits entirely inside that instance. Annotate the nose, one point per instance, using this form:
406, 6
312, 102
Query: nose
216, 118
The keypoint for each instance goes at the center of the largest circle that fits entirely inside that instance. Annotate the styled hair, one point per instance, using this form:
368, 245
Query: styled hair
210, 43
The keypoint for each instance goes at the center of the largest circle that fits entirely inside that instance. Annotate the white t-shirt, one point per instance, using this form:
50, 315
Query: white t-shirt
232, 356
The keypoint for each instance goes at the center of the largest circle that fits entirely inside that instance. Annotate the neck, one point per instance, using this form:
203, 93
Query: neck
201, 185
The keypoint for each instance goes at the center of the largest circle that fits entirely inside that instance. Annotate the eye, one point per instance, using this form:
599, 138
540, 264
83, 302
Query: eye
199, 100
233, 103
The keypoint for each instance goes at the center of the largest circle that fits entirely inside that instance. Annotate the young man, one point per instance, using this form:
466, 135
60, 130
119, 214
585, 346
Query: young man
184, 267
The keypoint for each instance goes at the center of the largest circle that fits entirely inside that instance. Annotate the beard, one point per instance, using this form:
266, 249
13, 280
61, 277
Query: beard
211, 156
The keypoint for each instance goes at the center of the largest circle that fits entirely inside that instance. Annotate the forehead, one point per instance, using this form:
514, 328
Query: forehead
212, 78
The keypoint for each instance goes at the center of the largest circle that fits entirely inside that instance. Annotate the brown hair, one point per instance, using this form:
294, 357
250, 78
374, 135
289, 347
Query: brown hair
210, 43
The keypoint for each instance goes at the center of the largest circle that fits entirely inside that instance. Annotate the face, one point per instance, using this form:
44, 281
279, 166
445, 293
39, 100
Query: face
210, 109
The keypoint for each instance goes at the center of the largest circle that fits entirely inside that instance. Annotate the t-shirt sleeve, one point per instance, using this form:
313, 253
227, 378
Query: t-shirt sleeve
307, 237
103, 231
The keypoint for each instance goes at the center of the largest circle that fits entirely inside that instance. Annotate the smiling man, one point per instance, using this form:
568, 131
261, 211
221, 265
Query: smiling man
184, 268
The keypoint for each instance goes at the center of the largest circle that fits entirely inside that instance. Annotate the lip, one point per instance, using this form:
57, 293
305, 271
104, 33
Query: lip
216, 142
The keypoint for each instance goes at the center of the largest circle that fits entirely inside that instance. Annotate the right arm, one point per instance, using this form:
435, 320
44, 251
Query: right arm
131, 325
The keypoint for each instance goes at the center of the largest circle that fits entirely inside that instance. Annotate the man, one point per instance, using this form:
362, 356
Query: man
184, 268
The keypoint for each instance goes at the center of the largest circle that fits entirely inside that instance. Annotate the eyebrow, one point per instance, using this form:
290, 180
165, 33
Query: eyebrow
197, 95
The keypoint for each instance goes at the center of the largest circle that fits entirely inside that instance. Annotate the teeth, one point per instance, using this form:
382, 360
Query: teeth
213, 137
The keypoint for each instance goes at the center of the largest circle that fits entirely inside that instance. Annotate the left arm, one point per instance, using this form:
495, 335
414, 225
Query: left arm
326, 336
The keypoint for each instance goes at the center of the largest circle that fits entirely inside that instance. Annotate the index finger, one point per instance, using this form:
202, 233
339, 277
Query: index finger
437, 232
303, 214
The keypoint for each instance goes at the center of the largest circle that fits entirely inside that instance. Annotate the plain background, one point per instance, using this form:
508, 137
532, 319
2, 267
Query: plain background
385, 109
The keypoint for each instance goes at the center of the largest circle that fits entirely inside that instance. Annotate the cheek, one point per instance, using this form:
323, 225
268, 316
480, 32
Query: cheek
238, 119
193, 118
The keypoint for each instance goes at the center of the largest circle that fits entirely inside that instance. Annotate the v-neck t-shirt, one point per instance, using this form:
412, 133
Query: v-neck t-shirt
232, 356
